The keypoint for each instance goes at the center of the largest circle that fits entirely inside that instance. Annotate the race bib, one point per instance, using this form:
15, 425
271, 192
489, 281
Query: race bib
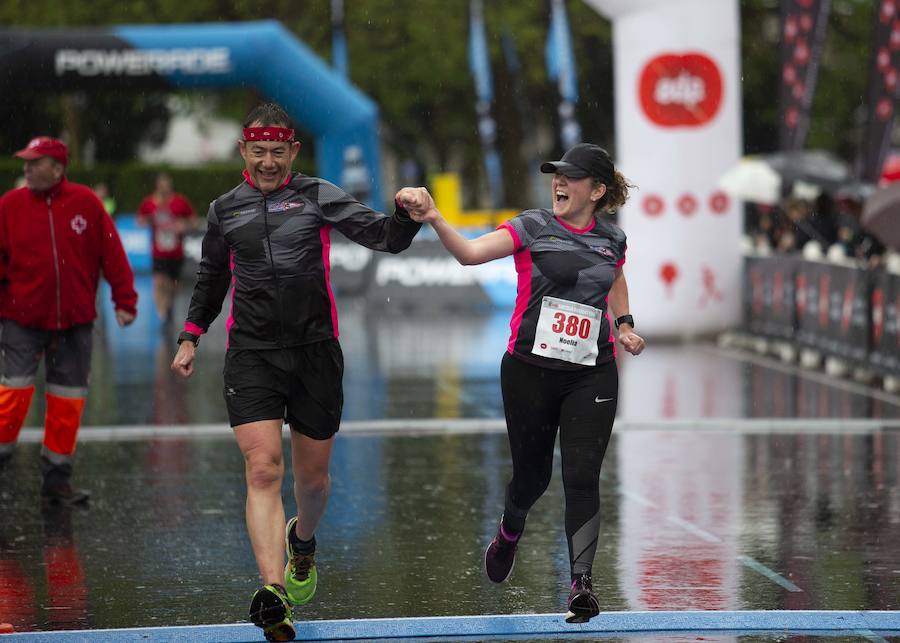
165, 231
568, 331
166, 239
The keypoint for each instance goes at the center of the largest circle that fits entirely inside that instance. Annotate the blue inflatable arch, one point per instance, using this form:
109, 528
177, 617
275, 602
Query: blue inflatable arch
263, 55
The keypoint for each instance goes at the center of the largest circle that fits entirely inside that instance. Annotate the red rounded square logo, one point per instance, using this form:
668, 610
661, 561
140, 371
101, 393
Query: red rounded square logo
680, 90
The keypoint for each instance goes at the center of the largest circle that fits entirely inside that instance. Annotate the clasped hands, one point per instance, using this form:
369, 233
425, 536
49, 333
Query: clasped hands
418, 203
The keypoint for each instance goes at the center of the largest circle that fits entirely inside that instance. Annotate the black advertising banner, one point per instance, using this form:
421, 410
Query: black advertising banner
769, 297
848, 315
839, 311
783, 322
803, 24
85, 59
883, 85
884, 337
753, 295
427, 277
812, 285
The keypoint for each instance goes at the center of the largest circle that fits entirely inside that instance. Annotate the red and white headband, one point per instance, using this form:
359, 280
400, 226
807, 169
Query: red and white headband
268, 134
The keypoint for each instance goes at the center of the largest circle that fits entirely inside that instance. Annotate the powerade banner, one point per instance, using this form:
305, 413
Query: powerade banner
200, 56
678, 128
426, 276
883, 87
837, 310
803, 25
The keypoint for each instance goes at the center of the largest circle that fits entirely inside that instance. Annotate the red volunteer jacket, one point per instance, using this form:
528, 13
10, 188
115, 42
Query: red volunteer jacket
53, 246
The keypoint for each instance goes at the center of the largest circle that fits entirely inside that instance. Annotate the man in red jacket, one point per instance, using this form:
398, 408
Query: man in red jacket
55, 239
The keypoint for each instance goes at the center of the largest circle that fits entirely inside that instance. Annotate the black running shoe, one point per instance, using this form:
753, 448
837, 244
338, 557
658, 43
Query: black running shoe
500, 556
583, 604
271, 610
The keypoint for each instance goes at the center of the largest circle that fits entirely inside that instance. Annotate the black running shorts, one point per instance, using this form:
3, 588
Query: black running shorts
169, 267
302, 385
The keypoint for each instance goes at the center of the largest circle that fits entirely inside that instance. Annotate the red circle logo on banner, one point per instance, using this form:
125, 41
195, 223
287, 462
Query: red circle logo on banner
680, 90
687, 205
653, 205
719, 202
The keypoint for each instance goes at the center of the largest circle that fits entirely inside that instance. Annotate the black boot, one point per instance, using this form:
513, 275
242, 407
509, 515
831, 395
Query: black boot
57, 486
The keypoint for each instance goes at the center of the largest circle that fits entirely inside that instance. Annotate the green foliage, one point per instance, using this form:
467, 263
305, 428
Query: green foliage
838, 119
129, 183
411, 57
838, 111
760, 74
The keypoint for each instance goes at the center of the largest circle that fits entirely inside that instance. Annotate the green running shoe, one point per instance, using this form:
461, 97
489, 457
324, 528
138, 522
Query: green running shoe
300, 575
270, 609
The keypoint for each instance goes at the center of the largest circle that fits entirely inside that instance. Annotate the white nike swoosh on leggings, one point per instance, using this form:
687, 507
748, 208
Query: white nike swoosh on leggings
605, 399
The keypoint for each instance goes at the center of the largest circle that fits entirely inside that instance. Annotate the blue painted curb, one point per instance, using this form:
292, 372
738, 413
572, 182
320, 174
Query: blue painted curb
518, 625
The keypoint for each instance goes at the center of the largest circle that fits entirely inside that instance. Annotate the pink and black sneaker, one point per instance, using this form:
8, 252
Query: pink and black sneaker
500, 556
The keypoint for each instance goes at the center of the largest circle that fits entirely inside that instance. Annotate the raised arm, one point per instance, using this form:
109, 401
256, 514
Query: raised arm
362, 224
468, 252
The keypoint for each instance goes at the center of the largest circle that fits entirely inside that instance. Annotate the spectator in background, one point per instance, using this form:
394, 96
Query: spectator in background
55, 240
109, 203
799, 225
855, 242
759, 225
823, 218
170, 215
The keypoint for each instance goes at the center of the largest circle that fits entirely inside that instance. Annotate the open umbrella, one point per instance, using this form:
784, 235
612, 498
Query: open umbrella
754, 180
764, 178
817, 167
881, 215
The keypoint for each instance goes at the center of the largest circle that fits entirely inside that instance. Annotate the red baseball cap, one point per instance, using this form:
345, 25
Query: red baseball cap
45, 146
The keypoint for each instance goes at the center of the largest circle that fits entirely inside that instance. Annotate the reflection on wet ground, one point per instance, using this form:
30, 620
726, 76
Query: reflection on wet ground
691, 521
724, 519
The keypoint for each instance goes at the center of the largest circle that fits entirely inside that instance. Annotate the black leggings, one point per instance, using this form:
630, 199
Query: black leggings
582, 405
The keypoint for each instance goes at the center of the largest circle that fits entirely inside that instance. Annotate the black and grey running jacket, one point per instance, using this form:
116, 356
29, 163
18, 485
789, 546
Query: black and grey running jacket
274, 249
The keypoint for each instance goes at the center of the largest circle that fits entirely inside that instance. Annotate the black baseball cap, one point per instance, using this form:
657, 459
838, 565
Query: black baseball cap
582, 160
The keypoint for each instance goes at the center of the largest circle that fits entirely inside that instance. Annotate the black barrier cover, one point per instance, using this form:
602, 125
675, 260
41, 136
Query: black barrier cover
848, 330
814, 281
769, 297
825, 307
753, 294
783, 320
884, 336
